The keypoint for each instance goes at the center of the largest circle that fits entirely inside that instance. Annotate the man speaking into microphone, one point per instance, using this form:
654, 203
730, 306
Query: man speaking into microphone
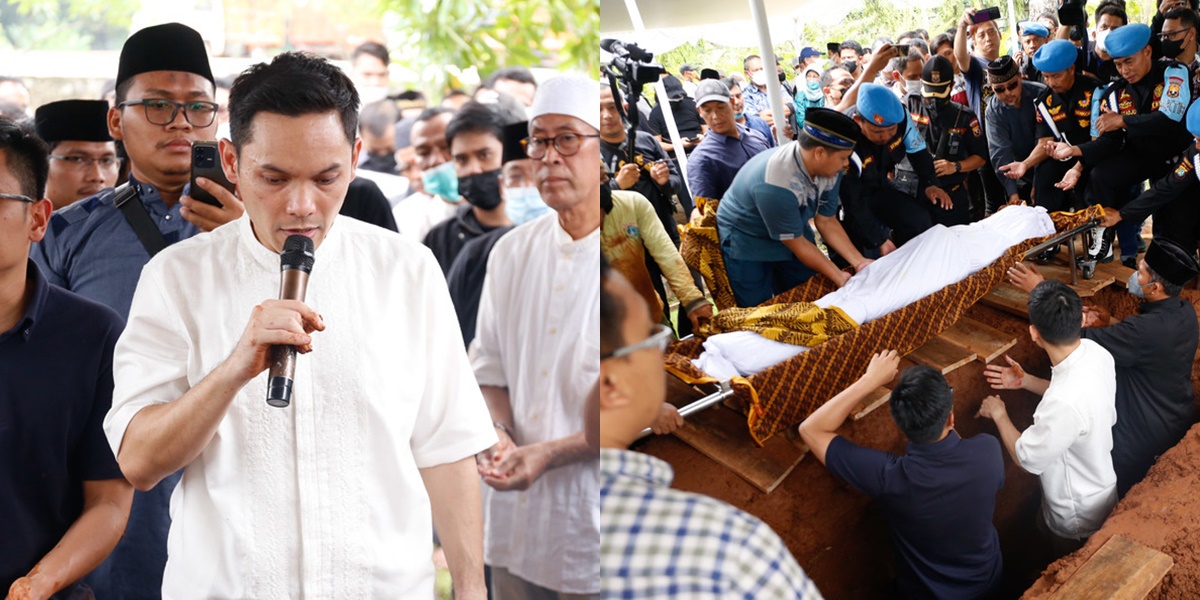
331, 495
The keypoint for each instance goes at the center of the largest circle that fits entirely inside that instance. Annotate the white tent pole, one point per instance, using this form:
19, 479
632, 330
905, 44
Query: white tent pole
774, 91
1012, 23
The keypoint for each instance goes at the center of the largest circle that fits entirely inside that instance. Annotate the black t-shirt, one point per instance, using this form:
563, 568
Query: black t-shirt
687, 119
447, 238
366, 202
56, 385
465, 278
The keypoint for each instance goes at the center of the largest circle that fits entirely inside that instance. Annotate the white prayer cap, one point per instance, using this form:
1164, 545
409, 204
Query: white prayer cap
571, 95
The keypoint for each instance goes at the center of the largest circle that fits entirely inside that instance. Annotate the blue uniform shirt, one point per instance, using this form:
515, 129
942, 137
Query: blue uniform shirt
938, 500
716, 160
771, 200
54, 393
91, 250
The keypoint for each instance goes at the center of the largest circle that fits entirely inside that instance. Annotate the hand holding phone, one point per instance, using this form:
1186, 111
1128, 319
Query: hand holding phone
902, 50
206, 163
988, 14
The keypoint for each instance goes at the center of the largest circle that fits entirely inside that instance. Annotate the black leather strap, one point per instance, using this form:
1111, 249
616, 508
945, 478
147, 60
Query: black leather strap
137, 217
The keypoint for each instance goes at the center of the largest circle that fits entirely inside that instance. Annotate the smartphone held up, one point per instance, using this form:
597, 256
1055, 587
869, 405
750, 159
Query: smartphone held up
206, 163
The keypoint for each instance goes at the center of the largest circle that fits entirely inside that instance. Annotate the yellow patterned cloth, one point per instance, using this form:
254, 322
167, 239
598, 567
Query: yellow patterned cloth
701, 250
796, 323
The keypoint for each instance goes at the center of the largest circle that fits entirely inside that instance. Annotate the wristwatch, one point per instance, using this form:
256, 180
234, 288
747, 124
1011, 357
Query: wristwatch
504, 428
957, 167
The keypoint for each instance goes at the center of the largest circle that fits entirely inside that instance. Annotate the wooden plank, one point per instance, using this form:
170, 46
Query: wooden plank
722, 435
942, 355
1008, 298
987, 342
1119, 570
1086, 287
873, 401
1119, 272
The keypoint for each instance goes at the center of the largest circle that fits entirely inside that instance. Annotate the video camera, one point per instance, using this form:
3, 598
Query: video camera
1072, 12
631, 65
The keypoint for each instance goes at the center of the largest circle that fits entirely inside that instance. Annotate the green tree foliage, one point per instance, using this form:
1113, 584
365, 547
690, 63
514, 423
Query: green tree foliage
489, 34
65, 24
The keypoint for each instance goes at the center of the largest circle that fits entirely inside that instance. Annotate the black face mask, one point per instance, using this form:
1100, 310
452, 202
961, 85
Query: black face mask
382, 163
850, 65
1172, 48
482, 190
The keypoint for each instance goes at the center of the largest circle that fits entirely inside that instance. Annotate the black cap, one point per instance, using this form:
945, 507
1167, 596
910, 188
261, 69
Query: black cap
513, 134
710, 74
169, 47
686, 68
937, 77
1002, 69
73, 120
675, 89
831, 128
1171, 262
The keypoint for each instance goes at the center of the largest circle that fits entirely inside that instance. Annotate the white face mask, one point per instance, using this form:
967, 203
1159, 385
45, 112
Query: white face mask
913, 86
1100, 35
524, 204
759, 78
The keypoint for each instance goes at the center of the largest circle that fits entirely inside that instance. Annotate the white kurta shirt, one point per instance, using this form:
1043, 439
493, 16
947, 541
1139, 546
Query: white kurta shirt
538, 335
1069, 444
321, 499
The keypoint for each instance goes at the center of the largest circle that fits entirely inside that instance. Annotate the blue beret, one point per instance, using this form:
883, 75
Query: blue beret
1055, 56
1193, 119
1035, 28
879, 106
1128, 40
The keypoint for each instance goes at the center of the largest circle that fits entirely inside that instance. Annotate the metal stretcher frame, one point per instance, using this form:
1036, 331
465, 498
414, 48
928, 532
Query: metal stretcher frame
724, 389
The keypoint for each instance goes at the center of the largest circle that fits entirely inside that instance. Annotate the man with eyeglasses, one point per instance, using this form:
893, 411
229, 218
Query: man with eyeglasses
716, 550
1178, 41
83, 158
98, 246
65, 502
535, 357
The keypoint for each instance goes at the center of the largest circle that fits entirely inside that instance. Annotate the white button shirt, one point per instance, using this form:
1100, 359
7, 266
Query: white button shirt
1069, 444
321, 499
539, 336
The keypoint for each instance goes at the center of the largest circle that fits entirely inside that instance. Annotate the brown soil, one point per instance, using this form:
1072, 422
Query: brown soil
838, 535
1162, 512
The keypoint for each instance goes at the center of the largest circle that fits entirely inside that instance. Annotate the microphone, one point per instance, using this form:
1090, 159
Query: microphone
295, 264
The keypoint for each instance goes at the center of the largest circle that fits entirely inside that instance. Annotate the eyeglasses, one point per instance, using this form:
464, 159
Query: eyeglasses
160, 111
80, 163
566, 144
659, 338
1172, 35
1000, 89
17, 197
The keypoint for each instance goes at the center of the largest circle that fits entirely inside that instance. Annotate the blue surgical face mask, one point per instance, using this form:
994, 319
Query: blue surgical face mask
524, 204
738, 116
1135, 286
442, 181
813, 86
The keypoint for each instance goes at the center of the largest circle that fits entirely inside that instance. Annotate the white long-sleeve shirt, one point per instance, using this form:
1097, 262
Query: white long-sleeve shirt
538, 335
1069, 444
321, 499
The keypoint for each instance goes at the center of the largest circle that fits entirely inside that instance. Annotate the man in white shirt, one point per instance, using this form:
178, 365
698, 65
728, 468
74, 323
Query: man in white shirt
330, 496
1069, 444
536, 356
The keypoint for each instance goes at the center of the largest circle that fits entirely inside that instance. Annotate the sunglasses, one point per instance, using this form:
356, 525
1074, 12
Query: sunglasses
1000, 89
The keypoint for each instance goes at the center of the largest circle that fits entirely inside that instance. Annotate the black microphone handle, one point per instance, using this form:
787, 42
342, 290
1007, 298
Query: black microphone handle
292, 285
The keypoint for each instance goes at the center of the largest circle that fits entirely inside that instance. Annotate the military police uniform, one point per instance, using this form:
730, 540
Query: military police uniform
1063, 117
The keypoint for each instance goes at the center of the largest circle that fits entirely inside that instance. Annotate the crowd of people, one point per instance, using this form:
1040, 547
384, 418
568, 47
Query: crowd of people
880, 143
446, 337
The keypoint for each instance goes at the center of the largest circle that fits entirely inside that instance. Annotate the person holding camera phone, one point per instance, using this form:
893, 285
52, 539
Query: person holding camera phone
98, 246
980, 28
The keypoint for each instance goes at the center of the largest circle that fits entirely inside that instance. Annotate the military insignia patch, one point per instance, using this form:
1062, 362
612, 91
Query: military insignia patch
976, 130
631, 230
1181, 172
878, 119
936, 77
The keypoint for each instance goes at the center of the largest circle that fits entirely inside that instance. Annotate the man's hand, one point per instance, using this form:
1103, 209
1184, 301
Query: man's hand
628, 175
1168, 5
1096, 316
660, 173
887, 248
668, 420
1061, 150
1111, 217
842, 278
866, 262
274, 322
938, 196
1024, 276
1014, 170
882, 368
1108, 120
944, 167
766, 115
700, 313
992, 408
1011, 377
967, 19
1069, 181
206, 216
519, 468
485, 461
30, 587
881, 57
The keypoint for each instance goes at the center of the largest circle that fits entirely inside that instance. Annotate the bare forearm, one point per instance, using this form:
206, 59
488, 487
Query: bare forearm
1038, 156
90, 539
457, 516
813, 258
498, 404
961, 56
835, 237
1008, 436
971, 163
1034, 384
832, 414
568, 450
163, 438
